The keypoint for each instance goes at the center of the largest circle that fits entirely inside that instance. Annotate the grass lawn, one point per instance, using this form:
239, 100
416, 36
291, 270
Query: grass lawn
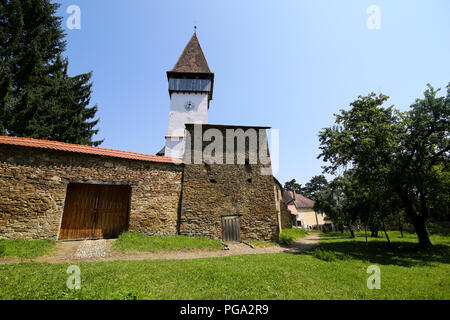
287, 236
131, 241
262, 244
25, 249
405, 274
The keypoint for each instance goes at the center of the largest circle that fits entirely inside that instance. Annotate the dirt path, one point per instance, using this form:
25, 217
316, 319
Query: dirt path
100, 250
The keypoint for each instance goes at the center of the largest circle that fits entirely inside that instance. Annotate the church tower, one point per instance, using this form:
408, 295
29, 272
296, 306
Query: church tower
191, 90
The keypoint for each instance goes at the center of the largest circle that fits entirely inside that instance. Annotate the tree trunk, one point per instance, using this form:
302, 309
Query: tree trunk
365, 229
352, 233
417, 220
384, 229
400, 226
422, 233
374, 229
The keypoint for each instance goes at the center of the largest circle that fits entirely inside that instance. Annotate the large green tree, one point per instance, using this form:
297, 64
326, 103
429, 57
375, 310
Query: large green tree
337, 201
314, 186
397, 158
38, 99
421, 172
293, 186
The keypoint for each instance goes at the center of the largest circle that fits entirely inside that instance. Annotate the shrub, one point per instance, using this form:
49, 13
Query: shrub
287, 236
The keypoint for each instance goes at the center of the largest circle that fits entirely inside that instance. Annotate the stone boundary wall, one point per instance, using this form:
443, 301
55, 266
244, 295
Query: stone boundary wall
33, 184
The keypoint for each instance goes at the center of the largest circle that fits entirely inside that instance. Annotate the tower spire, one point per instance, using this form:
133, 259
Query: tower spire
191, 85
192, 59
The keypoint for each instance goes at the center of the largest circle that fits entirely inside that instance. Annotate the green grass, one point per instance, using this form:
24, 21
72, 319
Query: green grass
25, 249
406, 273
402, 251
131, 241
262, 244
287, 236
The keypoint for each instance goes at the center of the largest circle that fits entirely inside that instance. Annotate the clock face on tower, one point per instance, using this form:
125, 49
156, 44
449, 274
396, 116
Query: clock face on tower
189, 105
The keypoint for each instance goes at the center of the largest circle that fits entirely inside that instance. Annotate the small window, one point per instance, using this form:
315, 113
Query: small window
249, 180
213, 180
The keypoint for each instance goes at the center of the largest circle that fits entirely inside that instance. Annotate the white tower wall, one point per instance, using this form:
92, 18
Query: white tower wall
179, 116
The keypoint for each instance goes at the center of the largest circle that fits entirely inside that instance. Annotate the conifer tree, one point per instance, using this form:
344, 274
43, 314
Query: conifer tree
38, 99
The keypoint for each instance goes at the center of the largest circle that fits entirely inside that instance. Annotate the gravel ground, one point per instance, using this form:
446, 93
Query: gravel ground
91, 249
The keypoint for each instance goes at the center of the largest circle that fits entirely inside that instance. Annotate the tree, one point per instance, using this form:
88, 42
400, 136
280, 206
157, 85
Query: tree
38, 99
293, 186
316, 185
421, 174
338, 202
400, 160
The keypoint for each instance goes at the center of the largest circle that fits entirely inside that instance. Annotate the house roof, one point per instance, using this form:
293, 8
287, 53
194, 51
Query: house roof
303, 202
68, 147
192, 60
287, 197
292, 209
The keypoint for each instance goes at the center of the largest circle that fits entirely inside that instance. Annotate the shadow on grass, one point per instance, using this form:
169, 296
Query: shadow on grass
400, 253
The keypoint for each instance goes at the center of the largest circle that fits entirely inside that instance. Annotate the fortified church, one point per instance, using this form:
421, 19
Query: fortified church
61, 191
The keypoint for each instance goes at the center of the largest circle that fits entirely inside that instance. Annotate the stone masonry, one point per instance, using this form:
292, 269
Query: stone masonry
33, 184
212, 190
166, 198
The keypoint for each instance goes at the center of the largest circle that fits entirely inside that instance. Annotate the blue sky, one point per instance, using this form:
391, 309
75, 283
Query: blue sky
285, 64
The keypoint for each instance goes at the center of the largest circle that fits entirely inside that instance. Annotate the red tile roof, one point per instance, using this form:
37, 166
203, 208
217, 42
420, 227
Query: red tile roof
293, 209
60, 146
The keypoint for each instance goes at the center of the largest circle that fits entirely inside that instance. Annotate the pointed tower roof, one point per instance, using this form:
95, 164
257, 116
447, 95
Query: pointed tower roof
192, 60
192, 65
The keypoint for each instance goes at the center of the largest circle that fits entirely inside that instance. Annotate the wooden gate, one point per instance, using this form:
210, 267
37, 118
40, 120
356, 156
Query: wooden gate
231, 228
94, 211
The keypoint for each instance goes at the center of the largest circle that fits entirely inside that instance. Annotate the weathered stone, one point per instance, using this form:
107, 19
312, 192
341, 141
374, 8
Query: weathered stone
33, 184
166, 199
211, 191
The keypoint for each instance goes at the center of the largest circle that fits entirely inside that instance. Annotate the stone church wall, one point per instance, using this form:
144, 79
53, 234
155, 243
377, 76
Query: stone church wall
212, 190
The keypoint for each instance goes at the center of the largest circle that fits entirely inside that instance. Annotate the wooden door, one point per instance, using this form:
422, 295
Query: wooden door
112, 211
231, 229
94, 211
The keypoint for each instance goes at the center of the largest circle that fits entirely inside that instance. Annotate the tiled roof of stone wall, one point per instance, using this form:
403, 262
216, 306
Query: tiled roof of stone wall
68, 147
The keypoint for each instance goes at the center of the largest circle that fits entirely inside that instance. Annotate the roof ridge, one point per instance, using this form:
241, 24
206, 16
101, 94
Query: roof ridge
79, 148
